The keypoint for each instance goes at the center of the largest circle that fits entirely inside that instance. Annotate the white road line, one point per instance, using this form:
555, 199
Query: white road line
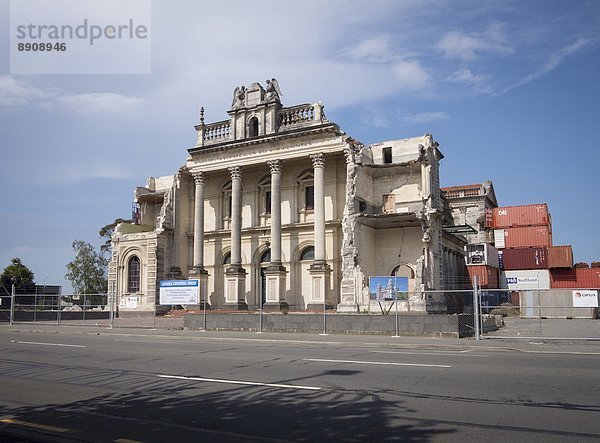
240, 382
445, 353
47, 344
360, 362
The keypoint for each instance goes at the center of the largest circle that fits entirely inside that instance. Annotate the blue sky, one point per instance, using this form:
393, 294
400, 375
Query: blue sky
510, 90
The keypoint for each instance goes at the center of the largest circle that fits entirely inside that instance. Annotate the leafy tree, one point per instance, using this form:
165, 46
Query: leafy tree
88, 270
106, 233
16, 274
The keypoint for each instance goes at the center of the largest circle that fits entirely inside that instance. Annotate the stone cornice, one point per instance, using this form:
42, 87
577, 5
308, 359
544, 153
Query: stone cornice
278, 148
294, 133
290, 227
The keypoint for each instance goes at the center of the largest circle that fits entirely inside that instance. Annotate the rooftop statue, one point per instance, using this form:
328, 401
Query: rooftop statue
239, 97
273, 91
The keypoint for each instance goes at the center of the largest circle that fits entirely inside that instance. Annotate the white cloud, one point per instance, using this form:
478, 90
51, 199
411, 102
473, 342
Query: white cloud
479, 82
423, 117
553, 62
373, 50
15, 92
74, 172
18, 93
375, 117
467, 47
100, 103
411, 75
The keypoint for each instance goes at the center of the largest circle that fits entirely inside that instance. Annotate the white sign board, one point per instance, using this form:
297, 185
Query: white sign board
525, 280
131, 302
179, 292
585, 299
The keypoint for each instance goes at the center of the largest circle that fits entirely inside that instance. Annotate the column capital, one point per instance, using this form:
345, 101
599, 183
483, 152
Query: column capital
318, 160
199, 177
236, 172
275, 166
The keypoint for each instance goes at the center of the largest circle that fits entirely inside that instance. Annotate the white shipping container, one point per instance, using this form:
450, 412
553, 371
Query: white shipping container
499, 238
482, 254
525, 280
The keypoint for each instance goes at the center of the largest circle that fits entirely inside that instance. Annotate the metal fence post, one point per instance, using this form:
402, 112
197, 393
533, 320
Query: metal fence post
396, 303
324, 315
59, 306
476, 308
540, 311
260, 306
83, 309
205, 309
12, 305
154, 317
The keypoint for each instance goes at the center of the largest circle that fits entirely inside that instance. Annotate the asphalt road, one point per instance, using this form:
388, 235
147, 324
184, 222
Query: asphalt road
120, 386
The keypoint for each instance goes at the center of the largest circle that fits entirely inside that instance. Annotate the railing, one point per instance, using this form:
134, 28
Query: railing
296, 115
462, 193
216, 132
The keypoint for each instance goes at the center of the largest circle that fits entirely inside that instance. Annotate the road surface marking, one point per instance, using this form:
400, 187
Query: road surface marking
361, 362
430, 353
12, 421
240, 382
46, 344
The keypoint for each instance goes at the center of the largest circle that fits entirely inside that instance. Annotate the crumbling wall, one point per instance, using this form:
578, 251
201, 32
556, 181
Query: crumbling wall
353, 279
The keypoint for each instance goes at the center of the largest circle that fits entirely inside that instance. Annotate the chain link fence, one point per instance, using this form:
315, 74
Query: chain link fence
543, 314
483, 313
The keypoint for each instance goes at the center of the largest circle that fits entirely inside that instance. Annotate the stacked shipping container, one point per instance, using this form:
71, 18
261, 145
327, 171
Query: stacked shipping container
523, 235
482, 261
560, 257
579, 278
513, 216
487, 276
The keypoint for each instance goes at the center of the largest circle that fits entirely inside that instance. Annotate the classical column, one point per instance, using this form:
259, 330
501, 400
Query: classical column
235, 275
275, 167
199, 221
319, 214
198, 271
319, 270
275, 273
236, 216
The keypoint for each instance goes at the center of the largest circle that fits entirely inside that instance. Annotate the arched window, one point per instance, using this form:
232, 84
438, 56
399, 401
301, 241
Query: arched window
307, 253
133, 275
307, 190
264, 186
227, 259
253, 127
403, 271
266, 257
226, 201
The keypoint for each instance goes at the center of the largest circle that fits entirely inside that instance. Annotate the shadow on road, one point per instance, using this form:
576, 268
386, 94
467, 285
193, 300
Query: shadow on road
174, 410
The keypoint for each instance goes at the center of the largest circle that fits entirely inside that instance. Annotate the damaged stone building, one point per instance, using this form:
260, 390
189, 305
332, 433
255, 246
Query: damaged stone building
277, 206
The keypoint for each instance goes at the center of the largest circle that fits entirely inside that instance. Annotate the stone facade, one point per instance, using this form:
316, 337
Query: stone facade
278, 207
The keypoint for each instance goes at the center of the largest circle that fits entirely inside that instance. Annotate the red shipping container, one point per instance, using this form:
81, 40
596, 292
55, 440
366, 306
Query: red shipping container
560, 257
486, 275
527, 236
581, 278
527, 215
525, 258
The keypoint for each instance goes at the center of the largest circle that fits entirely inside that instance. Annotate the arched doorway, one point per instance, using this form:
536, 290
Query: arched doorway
265, 260
408, 272
305, 259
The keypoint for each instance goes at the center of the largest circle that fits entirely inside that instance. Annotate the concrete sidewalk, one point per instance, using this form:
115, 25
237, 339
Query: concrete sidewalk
298, 339
549, 328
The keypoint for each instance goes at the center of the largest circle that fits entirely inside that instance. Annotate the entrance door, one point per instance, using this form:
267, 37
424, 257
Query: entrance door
263, 285
265, 259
